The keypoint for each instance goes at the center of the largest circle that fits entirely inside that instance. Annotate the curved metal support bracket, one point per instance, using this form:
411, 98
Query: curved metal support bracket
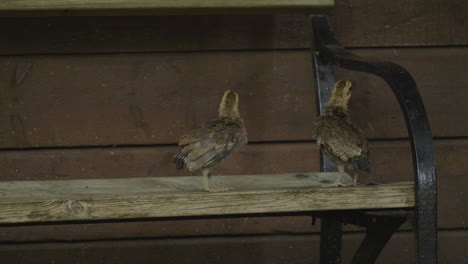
328, 53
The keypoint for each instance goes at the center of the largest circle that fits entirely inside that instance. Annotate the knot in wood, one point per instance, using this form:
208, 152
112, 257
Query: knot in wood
75, 207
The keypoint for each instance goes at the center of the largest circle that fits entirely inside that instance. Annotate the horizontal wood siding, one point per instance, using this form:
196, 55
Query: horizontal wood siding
299, 249
94, 100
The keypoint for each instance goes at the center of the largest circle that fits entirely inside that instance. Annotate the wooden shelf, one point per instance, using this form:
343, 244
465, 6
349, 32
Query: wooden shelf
145, 7
48, 201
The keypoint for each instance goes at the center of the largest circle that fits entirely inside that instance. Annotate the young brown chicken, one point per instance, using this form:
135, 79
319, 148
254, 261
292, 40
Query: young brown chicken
208, 144
338, 137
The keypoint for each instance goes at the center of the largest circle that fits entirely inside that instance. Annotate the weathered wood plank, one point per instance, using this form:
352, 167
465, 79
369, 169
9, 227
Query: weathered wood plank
39, 201
172, 228
119, 98
421, 23
157, 186
59, 35
104, 163
438, 77
381, 23
145, 7
297, 249
150, 98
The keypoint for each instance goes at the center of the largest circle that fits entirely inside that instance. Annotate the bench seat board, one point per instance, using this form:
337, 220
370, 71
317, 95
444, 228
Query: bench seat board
108, 199
145, 7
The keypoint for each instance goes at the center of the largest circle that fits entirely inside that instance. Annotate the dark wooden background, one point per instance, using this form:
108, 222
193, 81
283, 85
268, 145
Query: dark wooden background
107, 97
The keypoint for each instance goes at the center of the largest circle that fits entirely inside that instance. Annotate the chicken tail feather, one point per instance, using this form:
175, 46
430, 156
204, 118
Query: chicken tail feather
179, 160
362, 163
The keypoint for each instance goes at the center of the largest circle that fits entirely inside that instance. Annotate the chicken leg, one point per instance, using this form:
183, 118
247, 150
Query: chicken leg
338, 179
210, 186
341, 169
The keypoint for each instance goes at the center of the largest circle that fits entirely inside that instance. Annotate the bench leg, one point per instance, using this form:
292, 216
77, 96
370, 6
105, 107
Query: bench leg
379, 231
330, 240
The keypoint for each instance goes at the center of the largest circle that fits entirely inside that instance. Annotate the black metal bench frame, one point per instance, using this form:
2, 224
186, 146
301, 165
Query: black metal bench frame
327, 54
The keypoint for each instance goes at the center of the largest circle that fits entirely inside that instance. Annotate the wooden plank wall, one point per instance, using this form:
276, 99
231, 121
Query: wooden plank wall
103, 97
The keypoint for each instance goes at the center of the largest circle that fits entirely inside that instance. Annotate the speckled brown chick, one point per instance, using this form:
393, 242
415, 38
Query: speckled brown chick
338, 137
208, 144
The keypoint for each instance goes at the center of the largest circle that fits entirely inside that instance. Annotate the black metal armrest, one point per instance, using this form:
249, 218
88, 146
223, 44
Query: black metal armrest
329, 53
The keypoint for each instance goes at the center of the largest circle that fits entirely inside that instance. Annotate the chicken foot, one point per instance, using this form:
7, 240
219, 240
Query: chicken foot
341, 169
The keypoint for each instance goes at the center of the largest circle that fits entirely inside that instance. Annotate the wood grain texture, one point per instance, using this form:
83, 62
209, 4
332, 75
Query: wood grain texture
173, 228
105, 163
12, 191
297, 249
61, 35
358, 23
157, 6
367, 23
439, 77
45, 201
150, 98
118, 99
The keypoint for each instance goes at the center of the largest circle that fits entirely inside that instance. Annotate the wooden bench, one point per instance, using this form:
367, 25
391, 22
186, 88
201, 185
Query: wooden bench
380, 208
115, 199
